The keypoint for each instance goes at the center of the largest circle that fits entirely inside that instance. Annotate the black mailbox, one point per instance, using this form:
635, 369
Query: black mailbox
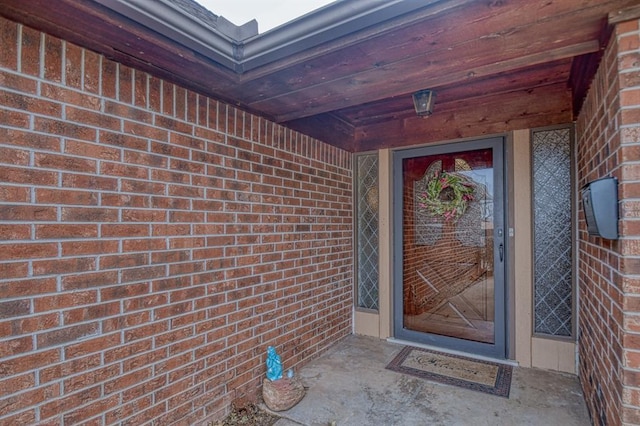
600, 204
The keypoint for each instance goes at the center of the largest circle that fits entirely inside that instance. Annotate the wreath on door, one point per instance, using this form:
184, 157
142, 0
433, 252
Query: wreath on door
447, 195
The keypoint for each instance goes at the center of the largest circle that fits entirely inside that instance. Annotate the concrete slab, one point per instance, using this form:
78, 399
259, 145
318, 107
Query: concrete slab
349, 385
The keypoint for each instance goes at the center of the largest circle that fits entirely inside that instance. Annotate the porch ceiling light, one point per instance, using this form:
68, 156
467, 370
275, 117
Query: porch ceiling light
423, 101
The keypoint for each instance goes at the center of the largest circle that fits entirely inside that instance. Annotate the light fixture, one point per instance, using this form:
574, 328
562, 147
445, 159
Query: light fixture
423, 101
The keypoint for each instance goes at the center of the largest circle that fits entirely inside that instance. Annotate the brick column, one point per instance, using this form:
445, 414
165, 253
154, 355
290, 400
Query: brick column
608, 130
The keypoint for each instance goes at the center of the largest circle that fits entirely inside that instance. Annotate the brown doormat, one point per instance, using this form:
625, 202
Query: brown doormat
468, 373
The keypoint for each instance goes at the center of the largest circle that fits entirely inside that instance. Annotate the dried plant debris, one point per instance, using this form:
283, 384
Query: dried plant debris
249, 415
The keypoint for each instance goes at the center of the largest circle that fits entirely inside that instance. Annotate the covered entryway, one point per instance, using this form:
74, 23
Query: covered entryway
482, 283
177, 193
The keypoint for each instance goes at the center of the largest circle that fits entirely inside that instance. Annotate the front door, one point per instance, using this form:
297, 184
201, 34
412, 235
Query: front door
450, 246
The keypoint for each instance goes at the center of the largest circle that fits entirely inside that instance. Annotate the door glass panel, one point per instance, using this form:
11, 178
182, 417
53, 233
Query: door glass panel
448, 255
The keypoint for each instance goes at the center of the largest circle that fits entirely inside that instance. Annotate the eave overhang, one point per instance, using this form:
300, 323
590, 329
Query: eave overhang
241, 48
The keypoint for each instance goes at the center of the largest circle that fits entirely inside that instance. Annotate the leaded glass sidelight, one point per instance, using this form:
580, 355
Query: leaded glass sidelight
553, 230
367, 232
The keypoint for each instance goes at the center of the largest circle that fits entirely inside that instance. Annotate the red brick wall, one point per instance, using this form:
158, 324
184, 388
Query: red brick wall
608, 131
154, 242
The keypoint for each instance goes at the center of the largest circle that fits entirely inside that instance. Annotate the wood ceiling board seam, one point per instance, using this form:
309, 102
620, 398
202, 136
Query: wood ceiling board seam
448, 78
349, 41
502, 113
501, 83
337, 65
450, 57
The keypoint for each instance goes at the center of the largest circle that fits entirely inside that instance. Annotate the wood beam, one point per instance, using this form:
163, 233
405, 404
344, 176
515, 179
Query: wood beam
403, 58
402, 106
544, 106
624, 15
382, 31
387, 85
478, 23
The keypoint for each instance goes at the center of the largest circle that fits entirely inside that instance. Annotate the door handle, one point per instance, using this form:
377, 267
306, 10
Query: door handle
501, 251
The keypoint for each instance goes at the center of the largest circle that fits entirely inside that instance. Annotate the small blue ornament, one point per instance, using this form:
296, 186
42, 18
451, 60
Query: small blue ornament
290, 373
274, 364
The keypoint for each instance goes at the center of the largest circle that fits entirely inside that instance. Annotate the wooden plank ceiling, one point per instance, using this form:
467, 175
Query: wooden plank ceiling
496, 65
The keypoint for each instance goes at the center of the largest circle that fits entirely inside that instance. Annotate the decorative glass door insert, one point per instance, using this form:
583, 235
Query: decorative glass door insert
452, 241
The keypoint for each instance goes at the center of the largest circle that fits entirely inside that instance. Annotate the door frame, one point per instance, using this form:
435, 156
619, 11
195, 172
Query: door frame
498, 349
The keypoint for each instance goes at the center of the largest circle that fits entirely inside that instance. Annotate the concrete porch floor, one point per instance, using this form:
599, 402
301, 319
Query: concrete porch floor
349, 385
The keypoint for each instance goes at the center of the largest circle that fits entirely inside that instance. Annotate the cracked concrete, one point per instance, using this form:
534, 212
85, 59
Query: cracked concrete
349, 385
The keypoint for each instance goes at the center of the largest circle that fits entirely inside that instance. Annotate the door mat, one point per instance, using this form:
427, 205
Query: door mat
483, 376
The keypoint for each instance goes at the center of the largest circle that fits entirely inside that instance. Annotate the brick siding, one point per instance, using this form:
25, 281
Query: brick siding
609, 271
154, 243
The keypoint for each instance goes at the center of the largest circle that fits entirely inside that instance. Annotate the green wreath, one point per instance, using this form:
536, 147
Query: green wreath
447, 195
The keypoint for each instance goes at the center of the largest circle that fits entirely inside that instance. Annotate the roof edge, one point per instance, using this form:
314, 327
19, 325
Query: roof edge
242, 48
166, 18
323, 25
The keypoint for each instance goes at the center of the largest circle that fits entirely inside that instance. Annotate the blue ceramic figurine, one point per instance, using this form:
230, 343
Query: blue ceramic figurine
274, 364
